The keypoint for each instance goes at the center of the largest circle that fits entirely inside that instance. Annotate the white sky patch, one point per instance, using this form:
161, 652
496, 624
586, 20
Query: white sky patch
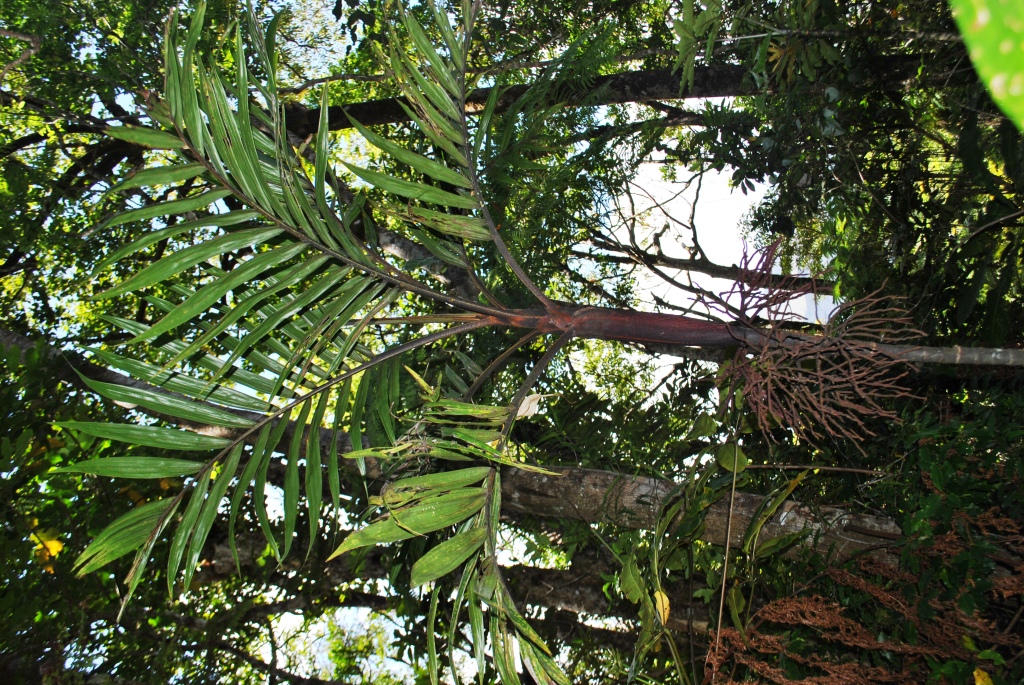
717, 220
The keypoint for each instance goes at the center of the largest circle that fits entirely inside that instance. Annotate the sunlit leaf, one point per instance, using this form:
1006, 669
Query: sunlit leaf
181, 260
432, 514
413, 190
157, 176
168, 404
133, 467
123, 536
161, 209
147, 436
146, 137
447, 556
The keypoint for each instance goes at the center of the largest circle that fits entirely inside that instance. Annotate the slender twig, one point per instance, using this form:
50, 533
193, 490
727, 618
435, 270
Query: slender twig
498, 362
814, 467
995, 222
34, 43
535, 373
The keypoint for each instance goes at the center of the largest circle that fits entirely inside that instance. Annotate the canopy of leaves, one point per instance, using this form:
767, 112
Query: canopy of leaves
261, 372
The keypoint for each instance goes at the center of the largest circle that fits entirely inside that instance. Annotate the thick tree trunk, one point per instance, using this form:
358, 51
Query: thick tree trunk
612, 89
636, 502
621, 324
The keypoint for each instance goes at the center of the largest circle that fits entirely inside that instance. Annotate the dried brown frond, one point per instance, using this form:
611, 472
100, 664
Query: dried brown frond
828, 384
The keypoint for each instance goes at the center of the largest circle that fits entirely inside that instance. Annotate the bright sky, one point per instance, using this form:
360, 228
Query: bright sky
718, 218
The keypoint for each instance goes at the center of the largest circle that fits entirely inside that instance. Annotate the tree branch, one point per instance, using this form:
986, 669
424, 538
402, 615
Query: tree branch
630, 86
704, 266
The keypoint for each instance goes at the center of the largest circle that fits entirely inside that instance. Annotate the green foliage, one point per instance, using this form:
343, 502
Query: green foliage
993, 32
333, 380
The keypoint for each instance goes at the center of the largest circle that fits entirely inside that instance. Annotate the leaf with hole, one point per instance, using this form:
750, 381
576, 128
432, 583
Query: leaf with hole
730, 457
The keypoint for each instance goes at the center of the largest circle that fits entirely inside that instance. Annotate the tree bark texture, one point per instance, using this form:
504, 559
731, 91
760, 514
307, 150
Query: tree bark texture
612, 89
636, 502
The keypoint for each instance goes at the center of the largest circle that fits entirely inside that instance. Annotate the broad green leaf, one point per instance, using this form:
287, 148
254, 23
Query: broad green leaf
355, 425
177, 262
178, 382
483, 412
476, 627
432, 665
469, 569
291, 476
447, 556
259, 490
415, 191
448, 480
731, 458
153, 237
422, 91
437, 67
494, 511
441, 136
451, 40
333, 472
780, 542
165, 403
994, 33
430, 515
424, 165
147, 436
142, 556
630, 581
484, 121
735, 600
158, 176
438, 247
503, 654
256, 457
541, 666
180, 206
521, 624
125, 535
133, 467
146, 137
767, 509
206, 361
199, 301
458, 225
314, 475
703, 426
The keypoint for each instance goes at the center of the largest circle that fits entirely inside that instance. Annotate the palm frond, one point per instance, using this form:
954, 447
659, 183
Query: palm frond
274, 347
